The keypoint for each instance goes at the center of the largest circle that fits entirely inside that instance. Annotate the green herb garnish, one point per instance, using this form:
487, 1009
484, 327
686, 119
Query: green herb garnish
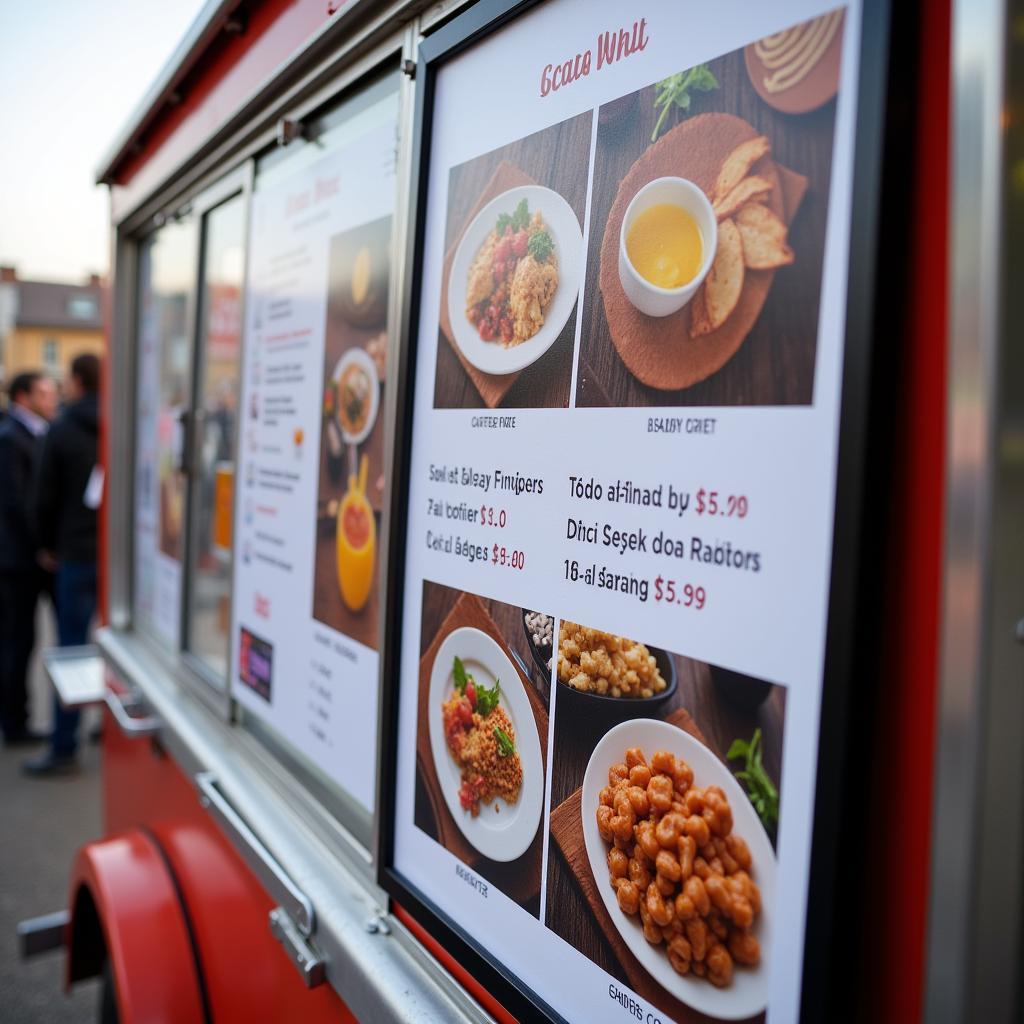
504, 221
521, 215
540, 246
462, 677
675, 90
761, 790
487, 699
506, 748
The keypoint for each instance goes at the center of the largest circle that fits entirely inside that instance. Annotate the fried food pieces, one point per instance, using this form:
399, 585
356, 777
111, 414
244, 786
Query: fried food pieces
737, 165
725, 278
675, 861
764, 238
593, 661
749, 190
751, 236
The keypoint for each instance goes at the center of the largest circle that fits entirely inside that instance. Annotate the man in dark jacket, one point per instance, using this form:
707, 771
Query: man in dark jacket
33, 402
69, 486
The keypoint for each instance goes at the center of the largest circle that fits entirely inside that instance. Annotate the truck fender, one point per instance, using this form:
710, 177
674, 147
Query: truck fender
126, 909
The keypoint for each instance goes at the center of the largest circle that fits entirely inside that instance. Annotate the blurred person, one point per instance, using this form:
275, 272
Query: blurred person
33, 403
67, 493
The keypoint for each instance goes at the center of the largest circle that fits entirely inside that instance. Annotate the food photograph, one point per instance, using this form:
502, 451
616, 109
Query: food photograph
512, 272
482, 734
708, 215
665, 780
350, 491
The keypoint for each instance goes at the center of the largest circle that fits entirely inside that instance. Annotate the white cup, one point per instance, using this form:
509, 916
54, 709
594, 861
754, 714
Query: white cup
650, 298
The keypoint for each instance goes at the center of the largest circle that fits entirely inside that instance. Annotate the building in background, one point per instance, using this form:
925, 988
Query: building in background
45, 324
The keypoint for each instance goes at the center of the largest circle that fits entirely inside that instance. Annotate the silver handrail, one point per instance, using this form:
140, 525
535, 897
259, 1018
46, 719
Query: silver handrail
134, 728
255, 853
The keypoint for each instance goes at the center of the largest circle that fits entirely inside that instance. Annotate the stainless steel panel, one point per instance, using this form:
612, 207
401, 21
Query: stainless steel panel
973, 941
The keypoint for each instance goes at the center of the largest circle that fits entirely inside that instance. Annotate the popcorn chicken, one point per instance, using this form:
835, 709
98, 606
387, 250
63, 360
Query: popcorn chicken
597, 662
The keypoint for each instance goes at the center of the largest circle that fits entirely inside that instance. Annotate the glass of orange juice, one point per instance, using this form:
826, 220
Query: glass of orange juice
356, 542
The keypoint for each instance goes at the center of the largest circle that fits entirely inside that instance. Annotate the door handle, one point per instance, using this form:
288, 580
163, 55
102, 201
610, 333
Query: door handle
254, 852
292, 922
134, 727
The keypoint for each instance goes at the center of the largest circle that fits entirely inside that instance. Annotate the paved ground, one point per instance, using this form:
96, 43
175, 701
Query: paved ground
41, 824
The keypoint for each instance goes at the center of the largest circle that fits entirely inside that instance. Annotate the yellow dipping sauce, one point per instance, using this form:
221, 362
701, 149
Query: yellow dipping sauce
664, 245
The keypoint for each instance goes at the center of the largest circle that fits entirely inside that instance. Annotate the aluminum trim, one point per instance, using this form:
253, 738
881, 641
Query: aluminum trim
197, 36
120, 378
285, 92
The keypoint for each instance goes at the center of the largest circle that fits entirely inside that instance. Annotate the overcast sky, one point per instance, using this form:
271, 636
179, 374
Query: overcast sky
71, 73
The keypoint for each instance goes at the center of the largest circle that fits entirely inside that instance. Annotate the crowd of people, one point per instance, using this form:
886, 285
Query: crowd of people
50, 489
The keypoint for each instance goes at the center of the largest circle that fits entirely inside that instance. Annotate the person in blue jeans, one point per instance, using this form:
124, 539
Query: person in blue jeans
67, 493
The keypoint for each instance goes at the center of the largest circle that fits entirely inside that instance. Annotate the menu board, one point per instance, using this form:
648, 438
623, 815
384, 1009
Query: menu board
311, 449
629, 329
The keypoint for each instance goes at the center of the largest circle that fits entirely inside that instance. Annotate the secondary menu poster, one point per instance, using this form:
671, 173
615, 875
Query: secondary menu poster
311, 456
621, 498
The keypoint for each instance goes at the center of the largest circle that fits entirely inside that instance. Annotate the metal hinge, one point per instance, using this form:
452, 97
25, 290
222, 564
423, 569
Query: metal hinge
309, 963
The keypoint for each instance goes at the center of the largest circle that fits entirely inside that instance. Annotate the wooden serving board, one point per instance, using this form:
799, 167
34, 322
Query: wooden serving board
492, 386
659, 351
567, 832
518, 879
820, 85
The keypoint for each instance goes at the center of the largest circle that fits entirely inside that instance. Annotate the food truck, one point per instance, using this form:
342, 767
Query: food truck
561, 547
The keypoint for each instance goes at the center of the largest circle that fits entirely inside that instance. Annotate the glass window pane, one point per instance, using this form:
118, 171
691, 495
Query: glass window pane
212, 505
167, 275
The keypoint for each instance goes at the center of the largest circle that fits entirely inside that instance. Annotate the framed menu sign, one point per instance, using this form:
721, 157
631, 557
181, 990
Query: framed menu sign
635, 387
306, 608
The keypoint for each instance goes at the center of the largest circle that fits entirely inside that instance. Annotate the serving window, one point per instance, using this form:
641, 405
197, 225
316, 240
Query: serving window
188, 348
167, 288
218, 359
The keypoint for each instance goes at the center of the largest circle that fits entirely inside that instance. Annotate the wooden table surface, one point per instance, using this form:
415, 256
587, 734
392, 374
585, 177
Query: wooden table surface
775, 364
556, 158
567, 913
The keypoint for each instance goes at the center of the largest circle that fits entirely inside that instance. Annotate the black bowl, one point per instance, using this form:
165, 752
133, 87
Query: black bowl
598, 707
538, 658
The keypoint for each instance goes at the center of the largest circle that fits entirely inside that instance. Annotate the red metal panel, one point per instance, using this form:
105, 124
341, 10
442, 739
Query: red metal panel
904, 749
214, 90
143, 927
457, 971
248, 975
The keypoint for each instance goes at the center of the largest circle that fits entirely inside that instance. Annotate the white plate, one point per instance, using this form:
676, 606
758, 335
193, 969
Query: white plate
748, 993
501, 831
564, 228
362, 357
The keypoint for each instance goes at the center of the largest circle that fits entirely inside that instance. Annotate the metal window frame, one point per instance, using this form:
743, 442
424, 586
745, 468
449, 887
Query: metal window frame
235, 184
